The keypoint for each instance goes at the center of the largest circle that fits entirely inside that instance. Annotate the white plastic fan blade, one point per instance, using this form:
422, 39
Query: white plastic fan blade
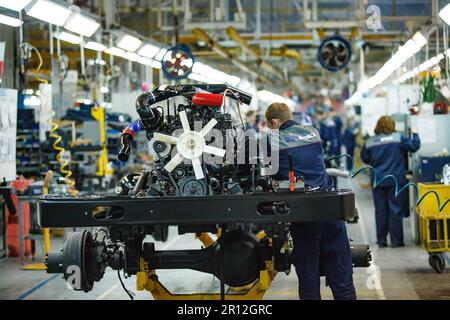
215, 151
175, 162
184, 121
165, 138
198, 169
209, 126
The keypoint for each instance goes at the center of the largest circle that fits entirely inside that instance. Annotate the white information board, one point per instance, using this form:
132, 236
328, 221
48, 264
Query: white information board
371, 110
427, 130
8, 131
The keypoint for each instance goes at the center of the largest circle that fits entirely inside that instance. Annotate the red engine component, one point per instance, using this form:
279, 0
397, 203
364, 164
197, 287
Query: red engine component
207, 100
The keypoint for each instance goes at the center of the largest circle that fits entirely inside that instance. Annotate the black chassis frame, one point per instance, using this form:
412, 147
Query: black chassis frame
59, 212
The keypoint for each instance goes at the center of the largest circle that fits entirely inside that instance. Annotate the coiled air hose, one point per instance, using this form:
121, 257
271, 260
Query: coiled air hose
63, 169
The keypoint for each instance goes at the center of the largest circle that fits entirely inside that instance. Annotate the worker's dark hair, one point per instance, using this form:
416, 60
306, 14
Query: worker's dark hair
278, 111
385, 125
250, 113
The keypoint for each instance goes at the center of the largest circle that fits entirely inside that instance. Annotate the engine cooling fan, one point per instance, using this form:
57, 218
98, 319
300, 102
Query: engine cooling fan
191, 145
334, 53
178, 62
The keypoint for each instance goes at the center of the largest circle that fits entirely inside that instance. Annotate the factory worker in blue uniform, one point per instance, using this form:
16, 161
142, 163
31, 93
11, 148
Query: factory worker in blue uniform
330, 141
385, 153
338, 124
328, 133
318, 246
349, 140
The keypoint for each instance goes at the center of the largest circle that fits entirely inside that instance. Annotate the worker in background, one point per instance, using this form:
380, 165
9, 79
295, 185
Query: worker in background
385, 153
338, 124
303, 118
349, 140
328, 132
330, 141
317, 245
252, 121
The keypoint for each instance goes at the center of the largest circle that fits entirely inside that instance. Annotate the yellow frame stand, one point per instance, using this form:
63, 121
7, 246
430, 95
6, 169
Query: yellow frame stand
147, 279
45, 231
98, 113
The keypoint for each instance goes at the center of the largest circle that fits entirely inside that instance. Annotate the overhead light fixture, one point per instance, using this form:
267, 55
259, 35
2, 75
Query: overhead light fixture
68, 37
10, 21
131, 56
420, 39
149, 51
409, 49
115, 52
160, 54
49, 12
145, 61
129, 43
233, 81
445, 14
82, 24
198, 77
425, 66
156, 64
16, 5
96, 46
270, 97
150, 62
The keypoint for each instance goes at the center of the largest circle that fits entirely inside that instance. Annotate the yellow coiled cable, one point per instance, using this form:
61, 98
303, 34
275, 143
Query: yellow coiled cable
65, 172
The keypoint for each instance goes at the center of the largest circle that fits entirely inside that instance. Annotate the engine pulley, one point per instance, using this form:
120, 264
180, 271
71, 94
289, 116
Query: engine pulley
190, 186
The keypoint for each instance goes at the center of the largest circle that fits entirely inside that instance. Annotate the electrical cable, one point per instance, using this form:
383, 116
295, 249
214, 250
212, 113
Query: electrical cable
66, 173
238, 105
128, 292
398, 191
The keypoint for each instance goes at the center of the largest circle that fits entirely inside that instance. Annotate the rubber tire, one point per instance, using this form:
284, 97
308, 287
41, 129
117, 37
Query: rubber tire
437, 262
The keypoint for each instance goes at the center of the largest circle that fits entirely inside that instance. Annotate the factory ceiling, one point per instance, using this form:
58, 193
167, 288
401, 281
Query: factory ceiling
281, 33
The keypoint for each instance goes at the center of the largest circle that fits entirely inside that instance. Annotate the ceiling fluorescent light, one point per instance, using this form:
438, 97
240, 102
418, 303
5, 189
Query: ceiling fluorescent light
68, 37
198, 77
160, 54
96, 46
115, 52
131, 56
145, 61
16, 5
81, 24
49, 12
409, 49
445, 14
129, 43
233, 80
9, 21
419, 39
149, 51
156, 64
150, 62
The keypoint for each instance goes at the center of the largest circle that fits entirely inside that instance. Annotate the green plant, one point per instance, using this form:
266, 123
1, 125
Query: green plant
429, 89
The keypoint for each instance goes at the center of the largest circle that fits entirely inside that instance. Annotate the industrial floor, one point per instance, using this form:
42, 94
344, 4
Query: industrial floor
403, 273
